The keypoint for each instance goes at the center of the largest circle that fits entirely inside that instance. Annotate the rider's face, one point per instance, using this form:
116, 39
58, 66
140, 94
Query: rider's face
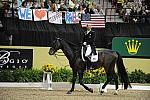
89, 27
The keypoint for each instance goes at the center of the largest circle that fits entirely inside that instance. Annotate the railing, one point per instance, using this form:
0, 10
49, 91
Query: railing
118, 15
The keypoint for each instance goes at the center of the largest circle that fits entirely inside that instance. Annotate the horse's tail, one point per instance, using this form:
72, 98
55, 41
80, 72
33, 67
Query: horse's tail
122, 72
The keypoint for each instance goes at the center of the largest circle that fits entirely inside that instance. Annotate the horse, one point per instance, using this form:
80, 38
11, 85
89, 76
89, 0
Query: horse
107, 59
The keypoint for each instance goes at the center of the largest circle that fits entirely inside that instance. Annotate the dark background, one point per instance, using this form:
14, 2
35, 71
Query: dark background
42, 33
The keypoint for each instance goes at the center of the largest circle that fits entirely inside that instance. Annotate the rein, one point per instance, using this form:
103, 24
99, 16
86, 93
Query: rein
58, 61
73, 44
75, 51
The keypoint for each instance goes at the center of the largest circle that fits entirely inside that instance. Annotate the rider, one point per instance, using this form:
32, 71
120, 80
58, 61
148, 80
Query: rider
89, 42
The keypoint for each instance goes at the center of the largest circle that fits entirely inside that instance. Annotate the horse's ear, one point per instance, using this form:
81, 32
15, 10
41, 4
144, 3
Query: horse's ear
58, 34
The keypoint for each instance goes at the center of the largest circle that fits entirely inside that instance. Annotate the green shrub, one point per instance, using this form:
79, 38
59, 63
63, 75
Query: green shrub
62, 75
65, 75
137, 76
7, 76
21, 75
147, 78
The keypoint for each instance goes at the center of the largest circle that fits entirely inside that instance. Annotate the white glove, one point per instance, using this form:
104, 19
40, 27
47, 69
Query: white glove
84, 43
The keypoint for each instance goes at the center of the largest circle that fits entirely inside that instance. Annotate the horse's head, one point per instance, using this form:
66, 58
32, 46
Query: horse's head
56, 45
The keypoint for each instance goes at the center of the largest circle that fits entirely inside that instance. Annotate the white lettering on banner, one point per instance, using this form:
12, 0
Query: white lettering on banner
18, 61
24, 61
13, 66
11, 61
5, 59
25, 66
4, 56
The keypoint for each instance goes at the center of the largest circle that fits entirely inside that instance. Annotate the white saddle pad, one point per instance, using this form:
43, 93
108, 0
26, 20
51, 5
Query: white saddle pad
94, 58
88, 50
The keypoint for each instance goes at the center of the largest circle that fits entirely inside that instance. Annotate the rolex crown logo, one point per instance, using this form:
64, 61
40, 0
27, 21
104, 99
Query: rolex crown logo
132, 46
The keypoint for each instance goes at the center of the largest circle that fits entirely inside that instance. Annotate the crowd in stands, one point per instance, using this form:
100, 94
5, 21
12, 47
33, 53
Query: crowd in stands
133, 10
82, 6
128, 10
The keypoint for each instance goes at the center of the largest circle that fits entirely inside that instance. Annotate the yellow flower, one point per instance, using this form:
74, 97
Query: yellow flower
88, 73
99, 71
48, 68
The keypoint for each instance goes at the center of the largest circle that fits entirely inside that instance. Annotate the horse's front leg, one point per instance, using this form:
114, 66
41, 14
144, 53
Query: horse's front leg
80, 72
116, 83
73, 82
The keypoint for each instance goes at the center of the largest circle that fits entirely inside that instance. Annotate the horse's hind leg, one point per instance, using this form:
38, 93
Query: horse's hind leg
109, 78
116, 83
110, 72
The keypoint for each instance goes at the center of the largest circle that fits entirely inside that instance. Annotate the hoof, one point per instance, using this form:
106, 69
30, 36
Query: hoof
115, 93
91, 90
102, 92
69, 92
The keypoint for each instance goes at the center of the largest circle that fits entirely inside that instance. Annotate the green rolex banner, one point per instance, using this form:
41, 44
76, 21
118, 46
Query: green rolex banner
132, 47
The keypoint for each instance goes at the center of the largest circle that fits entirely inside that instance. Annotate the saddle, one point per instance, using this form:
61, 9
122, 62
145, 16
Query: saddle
86, 52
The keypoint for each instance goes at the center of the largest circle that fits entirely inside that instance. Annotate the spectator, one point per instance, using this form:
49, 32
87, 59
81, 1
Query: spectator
89, 10
119, 5
53, 1
72, 5
82, 9
133, 15
99, 10
93, 7
29, 3
54, 7
24, 4
6, 8
142, 17
62, 7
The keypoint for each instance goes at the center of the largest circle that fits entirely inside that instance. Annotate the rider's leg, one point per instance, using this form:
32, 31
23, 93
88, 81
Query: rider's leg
88, 63
93, 49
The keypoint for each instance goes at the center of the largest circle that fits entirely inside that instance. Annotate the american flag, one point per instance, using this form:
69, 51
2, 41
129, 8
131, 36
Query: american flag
96, 20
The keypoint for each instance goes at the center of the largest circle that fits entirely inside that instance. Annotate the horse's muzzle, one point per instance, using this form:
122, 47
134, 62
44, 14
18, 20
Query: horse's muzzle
51, 51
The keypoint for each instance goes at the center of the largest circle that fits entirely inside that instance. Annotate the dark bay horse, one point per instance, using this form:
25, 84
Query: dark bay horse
107, 59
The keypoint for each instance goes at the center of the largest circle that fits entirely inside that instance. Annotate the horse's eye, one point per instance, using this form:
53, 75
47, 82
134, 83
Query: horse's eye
53, 42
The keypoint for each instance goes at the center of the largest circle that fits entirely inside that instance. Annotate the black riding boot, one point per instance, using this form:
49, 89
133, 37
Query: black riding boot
93, 50
88, 64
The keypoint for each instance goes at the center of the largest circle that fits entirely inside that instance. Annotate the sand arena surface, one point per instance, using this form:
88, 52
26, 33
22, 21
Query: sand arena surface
78, 94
